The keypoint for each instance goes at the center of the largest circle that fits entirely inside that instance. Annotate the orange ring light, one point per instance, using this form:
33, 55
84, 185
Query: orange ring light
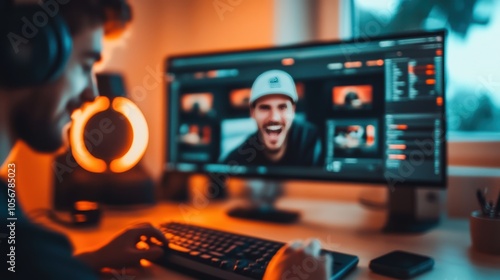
80, 152
140, 136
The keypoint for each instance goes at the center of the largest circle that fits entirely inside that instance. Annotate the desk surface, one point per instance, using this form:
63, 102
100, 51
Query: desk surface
341, 226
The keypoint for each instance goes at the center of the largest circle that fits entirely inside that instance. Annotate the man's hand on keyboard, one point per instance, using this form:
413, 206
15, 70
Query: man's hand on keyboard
142, 241
298, 260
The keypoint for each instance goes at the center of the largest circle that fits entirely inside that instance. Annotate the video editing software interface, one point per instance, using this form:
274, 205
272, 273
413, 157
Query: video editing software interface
367, 110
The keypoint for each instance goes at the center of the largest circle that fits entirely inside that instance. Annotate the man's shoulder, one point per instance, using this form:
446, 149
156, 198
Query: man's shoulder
39, 252
304, 126
241, 151
304, 131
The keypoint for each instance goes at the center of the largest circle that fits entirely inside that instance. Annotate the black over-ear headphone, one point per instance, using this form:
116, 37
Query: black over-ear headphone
35, 43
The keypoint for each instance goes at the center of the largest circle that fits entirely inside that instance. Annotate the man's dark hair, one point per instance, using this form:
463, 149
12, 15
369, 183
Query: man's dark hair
112, 14
350, 97
5, 5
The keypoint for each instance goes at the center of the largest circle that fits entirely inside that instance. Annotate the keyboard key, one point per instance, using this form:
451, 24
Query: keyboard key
216, 261
178, 248
260, 260
227, 265
240, 265
258, 272
216, 254
194, 253
247, 270
231, 249
206, 257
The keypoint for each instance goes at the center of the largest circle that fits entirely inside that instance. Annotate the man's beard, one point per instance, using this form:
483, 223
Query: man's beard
273, 151
42, 137
266, 149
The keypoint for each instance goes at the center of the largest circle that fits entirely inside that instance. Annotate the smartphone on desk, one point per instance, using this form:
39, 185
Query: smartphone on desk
401, 265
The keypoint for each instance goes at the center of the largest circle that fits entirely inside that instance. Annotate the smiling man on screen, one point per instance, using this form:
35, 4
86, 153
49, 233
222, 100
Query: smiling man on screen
280, 138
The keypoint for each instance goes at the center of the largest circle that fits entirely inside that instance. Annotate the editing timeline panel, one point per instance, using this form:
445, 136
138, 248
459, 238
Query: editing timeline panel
414, 117
413, 78
412, 151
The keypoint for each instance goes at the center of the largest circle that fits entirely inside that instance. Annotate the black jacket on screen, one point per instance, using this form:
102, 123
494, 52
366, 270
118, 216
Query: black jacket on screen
303, 149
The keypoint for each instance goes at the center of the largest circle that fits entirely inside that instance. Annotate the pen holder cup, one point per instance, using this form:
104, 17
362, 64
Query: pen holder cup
485, 233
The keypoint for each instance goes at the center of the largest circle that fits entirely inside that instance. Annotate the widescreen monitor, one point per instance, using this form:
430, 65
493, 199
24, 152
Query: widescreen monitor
370, 110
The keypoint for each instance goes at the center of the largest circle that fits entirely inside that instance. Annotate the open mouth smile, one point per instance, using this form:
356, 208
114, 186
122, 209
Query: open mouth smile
274, 129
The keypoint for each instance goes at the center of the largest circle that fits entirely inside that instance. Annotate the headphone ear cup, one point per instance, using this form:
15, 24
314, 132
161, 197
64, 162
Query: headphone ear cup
64, 46
34, 47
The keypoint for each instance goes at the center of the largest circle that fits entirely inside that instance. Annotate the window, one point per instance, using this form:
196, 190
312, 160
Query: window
472, 55
472, 63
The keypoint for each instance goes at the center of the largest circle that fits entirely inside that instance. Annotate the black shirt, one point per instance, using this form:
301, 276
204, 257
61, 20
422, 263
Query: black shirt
303, 149
38, 252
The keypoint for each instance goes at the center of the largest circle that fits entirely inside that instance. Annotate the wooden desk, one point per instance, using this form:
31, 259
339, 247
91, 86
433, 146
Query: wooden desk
341, 226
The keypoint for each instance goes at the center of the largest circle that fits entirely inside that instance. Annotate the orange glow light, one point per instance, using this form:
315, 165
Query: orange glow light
80, 152
370, 135
439, 101
430, 82
371, 63
80, 218
398, 157
212, 74
378, 62
411, 69
204, 101
364, 93
142, 245
397, 147
199, 75
239, 97
288, 61
300, 90
83, 205
140, 134
353, 64
399, 126
145, 263
439, 52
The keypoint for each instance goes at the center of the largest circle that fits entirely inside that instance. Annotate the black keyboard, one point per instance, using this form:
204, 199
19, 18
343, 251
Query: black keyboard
213, 254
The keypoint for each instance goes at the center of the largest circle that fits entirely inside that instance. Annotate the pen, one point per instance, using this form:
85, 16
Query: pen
491, 209
482, 202
497, 206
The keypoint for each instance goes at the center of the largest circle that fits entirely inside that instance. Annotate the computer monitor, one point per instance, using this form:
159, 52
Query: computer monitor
370, 110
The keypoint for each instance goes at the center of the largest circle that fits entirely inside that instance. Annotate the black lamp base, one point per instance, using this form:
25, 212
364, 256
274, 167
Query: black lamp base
128, 188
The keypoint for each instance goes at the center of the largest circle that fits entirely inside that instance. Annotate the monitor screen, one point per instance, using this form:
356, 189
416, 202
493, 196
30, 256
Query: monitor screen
369, 110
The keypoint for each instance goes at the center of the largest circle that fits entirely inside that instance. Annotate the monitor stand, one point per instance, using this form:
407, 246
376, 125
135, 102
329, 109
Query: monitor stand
412, 210
262, 195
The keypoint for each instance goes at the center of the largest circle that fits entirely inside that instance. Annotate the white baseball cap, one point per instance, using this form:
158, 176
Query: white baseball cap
273, 82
